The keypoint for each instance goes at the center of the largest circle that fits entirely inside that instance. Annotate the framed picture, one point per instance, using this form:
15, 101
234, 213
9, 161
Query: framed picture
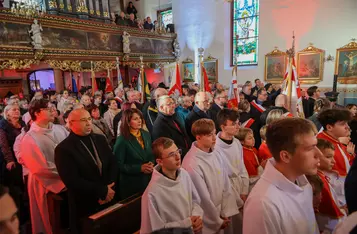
275, 66
211, 66
188, 70
310, 65
346, 63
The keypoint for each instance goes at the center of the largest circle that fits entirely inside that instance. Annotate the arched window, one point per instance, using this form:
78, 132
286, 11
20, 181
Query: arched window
245, 32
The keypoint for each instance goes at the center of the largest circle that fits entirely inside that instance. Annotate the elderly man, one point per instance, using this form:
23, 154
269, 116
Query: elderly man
168, 125
87, 167
119, 96
150, 108
220, 101
134, 97
199, 111
131, 21
85, 100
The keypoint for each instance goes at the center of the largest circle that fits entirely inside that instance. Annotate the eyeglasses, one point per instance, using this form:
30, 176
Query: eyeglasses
175, 153
89, 119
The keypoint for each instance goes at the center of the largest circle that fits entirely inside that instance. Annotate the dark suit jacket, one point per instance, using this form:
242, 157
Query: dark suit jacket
308, 106
255, 114
192, 117
351, 188
149, 114
130, 156
212, 113
81, 175
164, 127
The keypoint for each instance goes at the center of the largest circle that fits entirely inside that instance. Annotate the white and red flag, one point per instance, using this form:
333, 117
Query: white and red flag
175, 86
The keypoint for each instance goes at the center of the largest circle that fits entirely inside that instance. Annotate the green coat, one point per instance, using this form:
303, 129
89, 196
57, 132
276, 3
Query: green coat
130, 156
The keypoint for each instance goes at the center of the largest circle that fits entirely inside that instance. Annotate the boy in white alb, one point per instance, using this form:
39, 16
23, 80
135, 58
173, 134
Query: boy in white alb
170, 203
210, 178
231, 151
281, 201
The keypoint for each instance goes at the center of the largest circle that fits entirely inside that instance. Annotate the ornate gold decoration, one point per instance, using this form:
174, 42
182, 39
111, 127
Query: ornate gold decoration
349, 53
187, 60
76, 65
126, 57
39, 54
16, 63
306, 69
91, 12
106, 14
273, 56
61, 5
69, 7
52, 4
210, 58
98, 12
82, 9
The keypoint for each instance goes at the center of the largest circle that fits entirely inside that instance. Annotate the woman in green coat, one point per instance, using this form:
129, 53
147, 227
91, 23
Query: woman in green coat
134, 156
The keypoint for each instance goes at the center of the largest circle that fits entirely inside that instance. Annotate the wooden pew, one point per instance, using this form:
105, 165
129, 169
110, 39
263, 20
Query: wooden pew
58, 211
123, 217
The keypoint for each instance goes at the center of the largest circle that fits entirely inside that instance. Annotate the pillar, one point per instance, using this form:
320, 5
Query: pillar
59, 80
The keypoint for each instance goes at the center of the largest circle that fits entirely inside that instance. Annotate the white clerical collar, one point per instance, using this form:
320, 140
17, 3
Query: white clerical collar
275, 177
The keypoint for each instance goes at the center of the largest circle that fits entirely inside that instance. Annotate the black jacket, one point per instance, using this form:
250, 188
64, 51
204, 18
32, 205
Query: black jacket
212, 113
192, 117
150, 114
81, 175
308, 106
164, 127
351, 188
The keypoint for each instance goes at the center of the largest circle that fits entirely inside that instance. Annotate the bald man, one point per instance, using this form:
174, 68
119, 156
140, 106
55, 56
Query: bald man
199, 111
87, 167
281, 103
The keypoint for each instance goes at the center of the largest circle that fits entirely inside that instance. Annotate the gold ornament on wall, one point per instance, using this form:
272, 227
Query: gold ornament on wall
14, 64
346, 63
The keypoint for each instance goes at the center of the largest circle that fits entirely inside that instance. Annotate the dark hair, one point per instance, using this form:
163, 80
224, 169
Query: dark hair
184, 86
350, 106
217, 93
227, 114
36, 105
125, 121
316, 181
283, 134
332, 116
91, 107
202, 127
324, 144
260, 91
311, 90
3, 190
62, 92
255, 81
66, 114
109, 100
191, 92
160, 144
126, 106
267, 86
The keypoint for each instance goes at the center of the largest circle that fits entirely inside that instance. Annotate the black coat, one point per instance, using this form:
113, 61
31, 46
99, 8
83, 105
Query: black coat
308, 106
351, 188
255, 114
212, 113
150, 114
192, 117
81, 175
164, 127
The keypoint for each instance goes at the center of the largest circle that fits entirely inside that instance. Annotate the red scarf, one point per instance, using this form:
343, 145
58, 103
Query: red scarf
257, 106
251, 161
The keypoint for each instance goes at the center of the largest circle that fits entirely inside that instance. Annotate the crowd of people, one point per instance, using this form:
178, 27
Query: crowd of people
201, 167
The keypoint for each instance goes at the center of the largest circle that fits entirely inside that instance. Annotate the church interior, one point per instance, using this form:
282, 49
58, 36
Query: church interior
75, 73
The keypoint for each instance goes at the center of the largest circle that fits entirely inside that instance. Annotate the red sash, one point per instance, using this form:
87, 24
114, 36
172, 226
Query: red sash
288, 114
257, 106
328, 206
248, 123
250, 161
340, 165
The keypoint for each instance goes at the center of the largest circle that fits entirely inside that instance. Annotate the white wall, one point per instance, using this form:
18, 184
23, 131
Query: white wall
329, 24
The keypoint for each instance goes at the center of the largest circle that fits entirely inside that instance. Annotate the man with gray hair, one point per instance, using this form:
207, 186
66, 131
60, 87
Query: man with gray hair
168, 125
281, 103
150, 108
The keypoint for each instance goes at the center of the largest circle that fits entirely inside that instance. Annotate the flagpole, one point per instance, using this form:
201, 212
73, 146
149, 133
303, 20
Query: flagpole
291, 53
70, 75
200, 56
142, 79
120, 82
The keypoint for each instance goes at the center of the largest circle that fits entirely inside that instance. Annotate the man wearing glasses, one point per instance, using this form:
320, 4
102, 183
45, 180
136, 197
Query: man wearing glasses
170, 203
37, 155
87, 167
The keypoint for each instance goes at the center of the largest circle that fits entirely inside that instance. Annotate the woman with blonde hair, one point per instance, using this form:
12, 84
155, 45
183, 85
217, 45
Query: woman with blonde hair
274, 115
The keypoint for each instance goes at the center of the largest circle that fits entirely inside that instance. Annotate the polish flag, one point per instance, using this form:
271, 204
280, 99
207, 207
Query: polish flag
205, 80
175, 86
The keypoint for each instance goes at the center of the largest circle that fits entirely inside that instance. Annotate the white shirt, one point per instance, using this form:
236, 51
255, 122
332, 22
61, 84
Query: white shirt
168, 203
278, 206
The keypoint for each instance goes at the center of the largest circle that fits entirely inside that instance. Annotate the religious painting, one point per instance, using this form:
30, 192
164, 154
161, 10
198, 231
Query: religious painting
245, 32
64, 38
13, 34
188, 68
104, 41
275, 66
211, 66
310, 65
346, 63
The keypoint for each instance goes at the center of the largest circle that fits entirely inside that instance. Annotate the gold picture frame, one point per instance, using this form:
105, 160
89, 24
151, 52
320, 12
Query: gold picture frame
211, 66
188, 70
275, 66
346, 63
310, 65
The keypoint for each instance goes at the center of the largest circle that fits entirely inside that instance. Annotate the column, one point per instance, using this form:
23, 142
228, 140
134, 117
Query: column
59, 80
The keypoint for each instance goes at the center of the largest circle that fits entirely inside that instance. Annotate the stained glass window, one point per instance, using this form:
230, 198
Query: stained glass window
245, 31
166, 17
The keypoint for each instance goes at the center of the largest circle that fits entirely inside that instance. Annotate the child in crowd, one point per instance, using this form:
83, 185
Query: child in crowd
317, 185
264, 153
252, 164
331, 210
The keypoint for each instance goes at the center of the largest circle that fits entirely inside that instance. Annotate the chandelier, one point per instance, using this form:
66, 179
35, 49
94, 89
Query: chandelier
27, 8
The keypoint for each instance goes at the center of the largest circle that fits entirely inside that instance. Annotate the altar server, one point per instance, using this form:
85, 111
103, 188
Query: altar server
210, 178
281, 201
335, 125
331, 210
170, 203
